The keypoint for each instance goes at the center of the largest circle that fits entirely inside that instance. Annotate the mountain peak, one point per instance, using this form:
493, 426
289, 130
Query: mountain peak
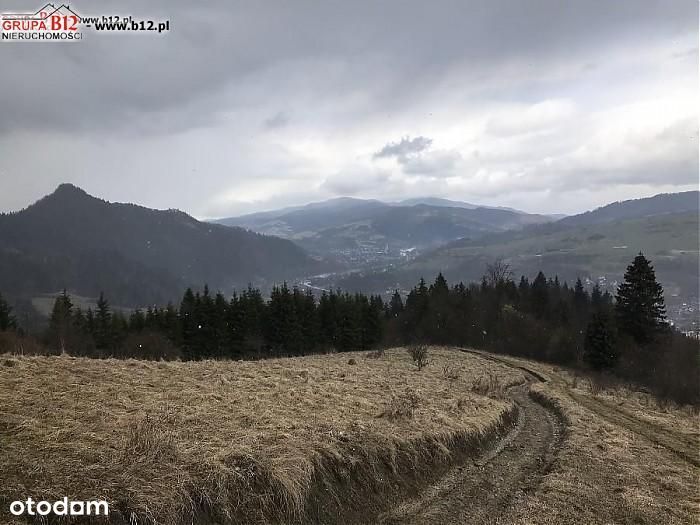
66, 188
66, 197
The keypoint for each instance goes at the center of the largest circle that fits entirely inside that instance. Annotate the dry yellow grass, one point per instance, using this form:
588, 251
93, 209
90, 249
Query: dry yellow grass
231, 439
607, 472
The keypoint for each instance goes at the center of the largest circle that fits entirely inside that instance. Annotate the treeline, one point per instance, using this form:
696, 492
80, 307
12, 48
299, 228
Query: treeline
540, 319
626, 335
209, 326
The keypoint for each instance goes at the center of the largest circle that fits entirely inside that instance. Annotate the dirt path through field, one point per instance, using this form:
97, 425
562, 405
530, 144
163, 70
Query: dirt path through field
682, 446
485, 490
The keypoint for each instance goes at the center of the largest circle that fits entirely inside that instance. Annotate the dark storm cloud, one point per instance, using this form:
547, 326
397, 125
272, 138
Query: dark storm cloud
212, 46
208, 104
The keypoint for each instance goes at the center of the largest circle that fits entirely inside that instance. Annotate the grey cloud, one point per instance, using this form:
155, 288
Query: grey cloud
213, 46
278, 120
404, 148
441, 163
354, 181
184, 117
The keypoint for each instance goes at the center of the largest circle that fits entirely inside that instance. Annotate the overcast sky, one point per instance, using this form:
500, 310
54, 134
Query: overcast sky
543, 105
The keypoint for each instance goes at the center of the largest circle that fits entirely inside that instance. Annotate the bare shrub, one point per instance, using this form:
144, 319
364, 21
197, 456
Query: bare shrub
151, 438
376, 354
14, 343
461, 404
149, 345
663, 403
574, 381
401, 407
450, 372
601, 382
489, 385
595, 386
498, 273
419, 354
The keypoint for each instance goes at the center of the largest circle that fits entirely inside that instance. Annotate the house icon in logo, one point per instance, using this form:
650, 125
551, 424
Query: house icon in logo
45, 13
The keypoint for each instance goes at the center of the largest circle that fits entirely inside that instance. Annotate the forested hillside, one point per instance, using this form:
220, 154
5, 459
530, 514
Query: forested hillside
543, 318
137, 255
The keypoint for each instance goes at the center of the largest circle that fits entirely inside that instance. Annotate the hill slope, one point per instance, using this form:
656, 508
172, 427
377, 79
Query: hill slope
594, 252
588, 250
687, 201
135, 254
354, 226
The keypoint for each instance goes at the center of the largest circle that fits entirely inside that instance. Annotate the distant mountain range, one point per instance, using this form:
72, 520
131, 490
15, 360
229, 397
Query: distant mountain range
140, 256
596, 246
136, 255
348, 226
661, 204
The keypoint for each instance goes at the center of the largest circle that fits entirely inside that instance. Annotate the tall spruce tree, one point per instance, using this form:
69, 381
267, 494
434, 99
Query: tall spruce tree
7, 320
395, 305
639, 307
599, 344
188, 325
580, 297
103, 324
539, 296
61, 323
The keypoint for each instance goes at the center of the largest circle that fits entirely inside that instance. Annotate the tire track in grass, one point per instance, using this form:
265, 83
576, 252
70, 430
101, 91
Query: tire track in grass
486, 489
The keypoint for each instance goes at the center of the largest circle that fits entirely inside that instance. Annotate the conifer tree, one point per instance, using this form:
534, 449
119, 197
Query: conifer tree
328, 315
235, 327
118, 330
137, 321
395, 305
539, 296
599, 343
596, 297
103, 323
60, 322
639, 307
580, 297
373, 322
171, 325
255, 311
188, 325
7, 320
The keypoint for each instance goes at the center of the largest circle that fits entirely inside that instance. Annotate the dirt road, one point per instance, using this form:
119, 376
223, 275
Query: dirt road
485, 490
507, 481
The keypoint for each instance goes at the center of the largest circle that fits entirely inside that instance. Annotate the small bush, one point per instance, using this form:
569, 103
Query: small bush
450, 372
376, 354
352, 362
489, 386
401, 407
419, 354
601, 382
149, 345
14, 343
149, 438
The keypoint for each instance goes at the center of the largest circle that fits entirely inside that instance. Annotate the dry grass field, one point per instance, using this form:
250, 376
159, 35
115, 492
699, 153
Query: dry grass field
270, 441
344, 438
627, 458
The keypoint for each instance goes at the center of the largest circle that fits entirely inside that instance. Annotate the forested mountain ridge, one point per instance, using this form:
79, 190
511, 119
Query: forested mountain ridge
348, 224
593, 252
72, 240
663, 203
